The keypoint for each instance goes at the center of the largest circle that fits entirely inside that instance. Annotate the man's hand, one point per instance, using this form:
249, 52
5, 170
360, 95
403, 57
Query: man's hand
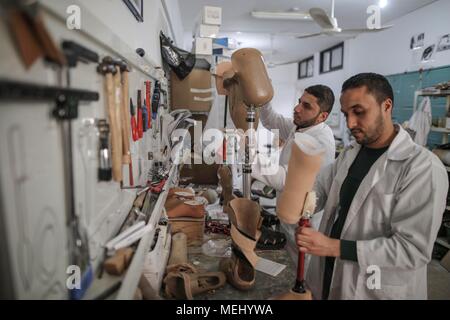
315, 243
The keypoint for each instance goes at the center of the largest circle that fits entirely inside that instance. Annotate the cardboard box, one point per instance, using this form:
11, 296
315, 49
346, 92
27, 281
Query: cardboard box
205, 174
194, 92
212, 15
208, 31
193, 228
203, 46
225, 43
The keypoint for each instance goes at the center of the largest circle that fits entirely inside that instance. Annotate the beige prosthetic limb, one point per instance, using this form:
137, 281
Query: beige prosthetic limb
245, 221
238, 109
249, 79
304, 165
297, 202
251, 74
221, 68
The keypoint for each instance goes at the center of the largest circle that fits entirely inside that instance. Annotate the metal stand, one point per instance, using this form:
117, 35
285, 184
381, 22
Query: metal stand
249, 146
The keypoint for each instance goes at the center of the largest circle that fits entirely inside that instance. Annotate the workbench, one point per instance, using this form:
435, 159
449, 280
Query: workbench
265, 287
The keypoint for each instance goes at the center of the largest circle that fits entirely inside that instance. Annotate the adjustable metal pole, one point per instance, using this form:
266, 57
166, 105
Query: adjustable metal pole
249, 147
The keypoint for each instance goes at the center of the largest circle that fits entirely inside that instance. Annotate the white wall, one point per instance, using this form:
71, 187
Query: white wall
123, 24
386, 52
283, 80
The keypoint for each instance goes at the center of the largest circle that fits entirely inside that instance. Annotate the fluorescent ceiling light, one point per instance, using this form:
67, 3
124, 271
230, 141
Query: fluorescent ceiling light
383, 3
280, 15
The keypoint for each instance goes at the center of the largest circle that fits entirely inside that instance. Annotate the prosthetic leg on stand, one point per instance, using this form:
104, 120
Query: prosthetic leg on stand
304, 165
250, 88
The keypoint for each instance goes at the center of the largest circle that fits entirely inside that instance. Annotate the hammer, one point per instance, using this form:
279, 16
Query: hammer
108, 69
125, 117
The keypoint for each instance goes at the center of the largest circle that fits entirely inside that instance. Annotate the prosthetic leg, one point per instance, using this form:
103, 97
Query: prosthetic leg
299, 291
304, 164
251, 82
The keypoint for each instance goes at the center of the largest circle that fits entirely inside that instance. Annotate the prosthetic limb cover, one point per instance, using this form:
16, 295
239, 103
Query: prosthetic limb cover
304, 165
221, 68
245, 221
183, 285
226, 181
238, 109
178, 254
251, 74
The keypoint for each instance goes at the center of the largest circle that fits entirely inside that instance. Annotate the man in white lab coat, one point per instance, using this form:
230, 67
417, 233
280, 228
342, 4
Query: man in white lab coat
310, 115
383, 202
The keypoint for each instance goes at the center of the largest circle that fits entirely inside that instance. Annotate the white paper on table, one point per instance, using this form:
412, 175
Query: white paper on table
269, 267
215, 212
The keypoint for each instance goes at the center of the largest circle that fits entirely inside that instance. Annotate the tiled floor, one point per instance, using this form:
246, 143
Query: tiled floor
438, 282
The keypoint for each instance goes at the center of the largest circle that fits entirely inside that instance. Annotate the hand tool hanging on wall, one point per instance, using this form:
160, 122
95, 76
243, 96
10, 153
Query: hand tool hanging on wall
148, 92
66, 109
156, 99
104, 165
139, 115
79, 236
134, 129
145, 116
107, 68
125, 118
118, 107
76, 53
30, 33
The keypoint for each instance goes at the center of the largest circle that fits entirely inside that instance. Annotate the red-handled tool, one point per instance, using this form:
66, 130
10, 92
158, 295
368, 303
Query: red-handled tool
148, 90
300, 290
300, 283
134, 131
140, 123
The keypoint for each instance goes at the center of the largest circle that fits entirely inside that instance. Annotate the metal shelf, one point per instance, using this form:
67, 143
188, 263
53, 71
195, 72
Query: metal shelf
441, 130
440, 93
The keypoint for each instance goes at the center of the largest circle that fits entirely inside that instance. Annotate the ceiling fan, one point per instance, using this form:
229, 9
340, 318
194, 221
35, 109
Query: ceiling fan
330, 26
269, 54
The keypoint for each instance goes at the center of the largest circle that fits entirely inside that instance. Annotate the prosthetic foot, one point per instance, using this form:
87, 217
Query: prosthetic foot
182, 285
245, 221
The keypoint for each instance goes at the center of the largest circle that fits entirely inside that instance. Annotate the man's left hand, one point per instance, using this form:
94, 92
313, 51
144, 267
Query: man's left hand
314, 242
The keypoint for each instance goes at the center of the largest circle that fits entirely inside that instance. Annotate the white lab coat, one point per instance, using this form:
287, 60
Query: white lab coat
420, 122
322, 132
394, 217
272, 120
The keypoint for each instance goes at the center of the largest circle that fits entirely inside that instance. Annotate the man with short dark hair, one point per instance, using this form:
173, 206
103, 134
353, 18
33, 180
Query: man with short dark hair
310, 115
383, 201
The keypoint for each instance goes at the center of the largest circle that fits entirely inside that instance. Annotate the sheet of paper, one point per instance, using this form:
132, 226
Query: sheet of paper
215, 212
269, 267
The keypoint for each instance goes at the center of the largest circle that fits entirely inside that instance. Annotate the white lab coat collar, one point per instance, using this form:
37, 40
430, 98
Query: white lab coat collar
401, 147
311, 129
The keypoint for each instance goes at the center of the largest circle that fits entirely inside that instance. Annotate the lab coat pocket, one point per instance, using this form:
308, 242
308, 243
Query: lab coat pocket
387, 292
369, 288
381, 208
